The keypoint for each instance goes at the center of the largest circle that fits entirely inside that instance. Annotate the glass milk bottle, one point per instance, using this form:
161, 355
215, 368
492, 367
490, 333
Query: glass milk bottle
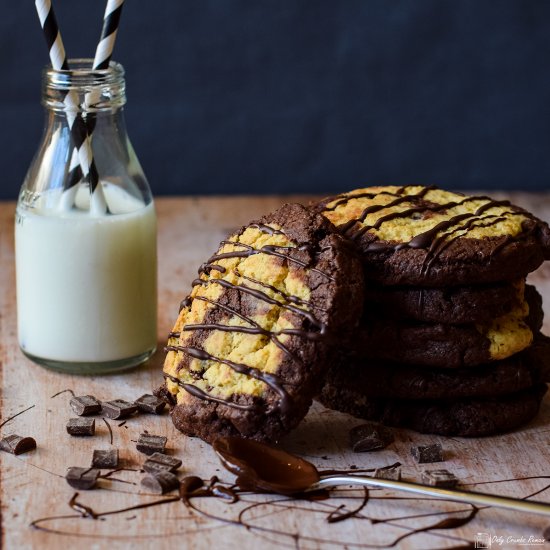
85, 232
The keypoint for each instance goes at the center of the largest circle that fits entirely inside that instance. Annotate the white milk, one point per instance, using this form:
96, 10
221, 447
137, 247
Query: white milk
86, 286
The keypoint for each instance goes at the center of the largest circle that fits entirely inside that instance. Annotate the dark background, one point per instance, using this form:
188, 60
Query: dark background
269, 96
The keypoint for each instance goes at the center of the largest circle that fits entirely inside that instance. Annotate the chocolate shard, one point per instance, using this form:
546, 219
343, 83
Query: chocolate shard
118, 408
439, 478
81, 426
150, 444
424, 454
82, 478
393, 474
150, 404
369, 437
85, 405
105, 458
160, 483
16, 445
159, 462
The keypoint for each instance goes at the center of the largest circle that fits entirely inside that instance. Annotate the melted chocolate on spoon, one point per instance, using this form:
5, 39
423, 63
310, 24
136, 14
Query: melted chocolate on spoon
261, 467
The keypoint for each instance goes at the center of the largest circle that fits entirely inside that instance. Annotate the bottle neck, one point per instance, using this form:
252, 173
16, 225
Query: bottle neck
81, 89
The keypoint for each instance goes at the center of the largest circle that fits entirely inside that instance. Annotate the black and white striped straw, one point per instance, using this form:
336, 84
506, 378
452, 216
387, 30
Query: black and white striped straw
77, 125
52, 35
111, 20
104, 50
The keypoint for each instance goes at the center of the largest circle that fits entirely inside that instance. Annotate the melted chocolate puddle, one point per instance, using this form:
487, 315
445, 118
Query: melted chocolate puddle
261, 467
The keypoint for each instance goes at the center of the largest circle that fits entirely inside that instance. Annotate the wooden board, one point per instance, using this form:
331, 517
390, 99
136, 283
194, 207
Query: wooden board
32, 485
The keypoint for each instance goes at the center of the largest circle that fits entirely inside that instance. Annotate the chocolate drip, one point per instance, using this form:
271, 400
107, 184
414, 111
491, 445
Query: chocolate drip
271, 380
443, 241
266, 229
287, 297
186, 302
253, 330
270, 250
257, 327
428, 239
266, 298
84, 511
197, 392
377, 207
207, 267
343, 199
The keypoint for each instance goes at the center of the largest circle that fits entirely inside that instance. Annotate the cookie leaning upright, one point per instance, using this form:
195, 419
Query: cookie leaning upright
257, 332
425, 236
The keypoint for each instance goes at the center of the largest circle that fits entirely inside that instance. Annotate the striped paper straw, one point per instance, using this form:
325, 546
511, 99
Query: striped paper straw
111, 20
77, 124
104, 50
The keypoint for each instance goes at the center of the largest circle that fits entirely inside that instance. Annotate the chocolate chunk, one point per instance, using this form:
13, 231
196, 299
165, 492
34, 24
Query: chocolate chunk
82, 478
150, 404
369, 437
118, 408
427, 453
85, 405
149, 444
388, 473
159, 462
81, 426
16, 445
160, 483
105, 459
439, 478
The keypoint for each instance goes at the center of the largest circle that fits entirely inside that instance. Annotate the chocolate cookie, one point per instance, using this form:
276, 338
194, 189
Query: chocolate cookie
462, 417
452, 346
353, 379
256, 334
424, 236
449, 305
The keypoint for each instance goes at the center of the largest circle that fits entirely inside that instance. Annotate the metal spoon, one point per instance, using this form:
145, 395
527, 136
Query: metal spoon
261, 467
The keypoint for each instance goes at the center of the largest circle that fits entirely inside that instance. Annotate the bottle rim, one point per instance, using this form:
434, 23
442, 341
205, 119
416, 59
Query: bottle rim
82, 74
81, 88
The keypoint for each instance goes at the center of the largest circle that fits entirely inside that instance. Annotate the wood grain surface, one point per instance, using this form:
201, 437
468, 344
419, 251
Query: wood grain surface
32, 485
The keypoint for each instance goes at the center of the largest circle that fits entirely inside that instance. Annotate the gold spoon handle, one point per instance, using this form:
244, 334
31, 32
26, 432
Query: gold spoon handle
484, 499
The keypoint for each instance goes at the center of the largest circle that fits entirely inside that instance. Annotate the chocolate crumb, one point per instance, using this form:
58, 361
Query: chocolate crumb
105, 458
16, 445
150, 404
369, 437
439, 478
160, 462
82, 478
393, 474
118, 408
424, 454
85, 405
149, 444
81, 426
160, 483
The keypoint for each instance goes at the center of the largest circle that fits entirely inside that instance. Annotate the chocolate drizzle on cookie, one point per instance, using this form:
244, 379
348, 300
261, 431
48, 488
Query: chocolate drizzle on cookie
436, 239
314, 329
269, 249
270, 379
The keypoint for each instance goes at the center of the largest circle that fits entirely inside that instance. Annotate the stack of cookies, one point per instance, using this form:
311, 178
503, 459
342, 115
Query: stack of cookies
450, 340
